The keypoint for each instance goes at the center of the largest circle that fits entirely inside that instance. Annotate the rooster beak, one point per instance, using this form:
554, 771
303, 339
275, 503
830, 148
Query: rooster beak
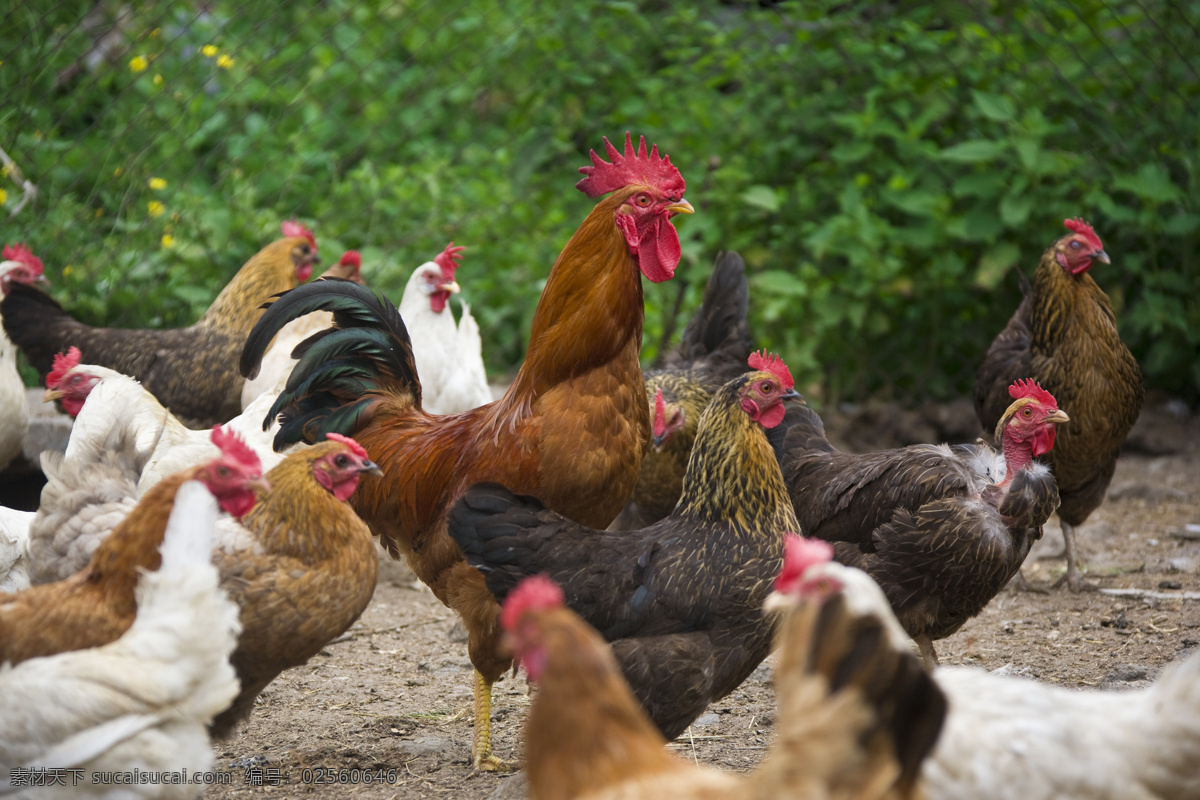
51, 395
452, 287
371, 468
1058, 417
42, 279
259, 484
660, 439
791, 394
1101, 256
682, 207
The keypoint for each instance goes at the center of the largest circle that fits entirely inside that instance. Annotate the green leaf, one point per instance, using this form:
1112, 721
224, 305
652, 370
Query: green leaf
778, 282
994, 263
1151, 182
1015, 208
994, 106
763, 197
974, 150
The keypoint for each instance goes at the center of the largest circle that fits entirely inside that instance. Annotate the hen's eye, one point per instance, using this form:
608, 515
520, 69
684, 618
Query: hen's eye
1075, 245
767, 387
304, 249
341, 461
223, 472
643, 200
1028, 412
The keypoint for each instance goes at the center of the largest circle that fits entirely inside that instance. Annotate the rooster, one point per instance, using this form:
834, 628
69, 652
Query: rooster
23, 267
143, 700
941, 529
1064, 334
855, 719
449, 360
580, 391
277, 362
713, 351
681, 600
192, 371
1012, 738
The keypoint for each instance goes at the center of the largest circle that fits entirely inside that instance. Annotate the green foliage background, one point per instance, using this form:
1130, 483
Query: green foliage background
885, 168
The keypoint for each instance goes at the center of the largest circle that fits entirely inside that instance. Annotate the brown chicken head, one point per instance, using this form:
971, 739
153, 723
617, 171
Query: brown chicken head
18, 263
666, 421
1075, 252
521, 635
340, 469
348, 268
233, 476
1031, 419
765, 389
304, 251
655, 191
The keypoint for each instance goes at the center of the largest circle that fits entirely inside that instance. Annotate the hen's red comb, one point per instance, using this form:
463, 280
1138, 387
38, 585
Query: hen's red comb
1081, 227
660, 414
231, 445
798, 555
63, 363
532, 594
351, 258
1029, 388
448, 260
20, 253
632, 167
354, 447
769, 362
293, 227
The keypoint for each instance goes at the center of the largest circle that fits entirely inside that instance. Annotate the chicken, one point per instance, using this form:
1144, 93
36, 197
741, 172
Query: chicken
21, 266
192, 370
277, 362
449, 359
143, 700
855, 719
97, 604
681, 601
14, 549
942, 529
569, 429
714, 349
1012, 738
309, 574
1064, 334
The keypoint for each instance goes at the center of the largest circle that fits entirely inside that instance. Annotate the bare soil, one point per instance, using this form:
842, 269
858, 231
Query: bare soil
393, 697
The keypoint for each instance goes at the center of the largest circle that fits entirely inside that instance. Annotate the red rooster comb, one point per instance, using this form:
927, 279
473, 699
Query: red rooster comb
293, 227
20, 253
354, 447
798, 555
231, 445
448, 260
61, 366
1029, 388
532, 594
660, 414
1081, 227
769, 362
351, 258
632, 167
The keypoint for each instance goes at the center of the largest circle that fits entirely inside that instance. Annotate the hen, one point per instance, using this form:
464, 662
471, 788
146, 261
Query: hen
855, 719
714, 349
1011, 738
569, 429
19, 266
192, 370
143, 700
681, 600
942, 529
449, 359
1064, 334
14, 549
277, 362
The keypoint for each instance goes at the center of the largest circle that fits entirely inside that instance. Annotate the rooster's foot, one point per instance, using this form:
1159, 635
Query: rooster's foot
491, 763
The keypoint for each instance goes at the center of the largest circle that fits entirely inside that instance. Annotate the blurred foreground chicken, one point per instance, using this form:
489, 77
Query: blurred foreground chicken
681, 601
1064, 334
19, 265
942, 529
277, 362
855, 718
193, 370
14, 549
569, 429
449, 359
713, 351
1011, 738
141, 701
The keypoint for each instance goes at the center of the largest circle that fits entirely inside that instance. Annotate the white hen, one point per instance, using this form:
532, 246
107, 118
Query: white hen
142, 701
1010, 738
14, 549
449, 358
21, 266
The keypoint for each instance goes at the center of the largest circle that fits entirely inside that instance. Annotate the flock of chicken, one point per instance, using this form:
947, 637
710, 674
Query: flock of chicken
625, 535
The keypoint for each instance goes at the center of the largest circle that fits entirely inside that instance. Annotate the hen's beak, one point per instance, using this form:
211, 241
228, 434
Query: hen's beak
259, 484
1101, 256
660, 439
1058, 417
51, 395
371, 468
42, 279
791, 394
452, 287
682, 207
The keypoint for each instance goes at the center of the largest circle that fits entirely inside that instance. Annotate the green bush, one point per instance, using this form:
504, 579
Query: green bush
884, 168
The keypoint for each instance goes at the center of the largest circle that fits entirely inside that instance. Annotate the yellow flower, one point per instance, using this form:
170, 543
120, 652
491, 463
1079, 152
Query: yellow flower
158, 80
117, 172
67, 270
138, 63
155, 208
224, 61
209, 50
99, 213
168, 241
157, 184
4, 171
3, 196
155, 32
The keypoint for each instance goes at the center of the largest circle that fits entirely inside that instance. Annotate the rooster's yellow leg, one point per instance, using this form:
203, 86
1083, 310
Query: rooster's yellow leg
481, 749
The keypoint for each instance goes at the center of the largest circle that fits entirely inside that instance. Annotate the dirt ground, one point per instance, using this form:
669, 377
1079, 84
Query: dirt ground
392, 698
